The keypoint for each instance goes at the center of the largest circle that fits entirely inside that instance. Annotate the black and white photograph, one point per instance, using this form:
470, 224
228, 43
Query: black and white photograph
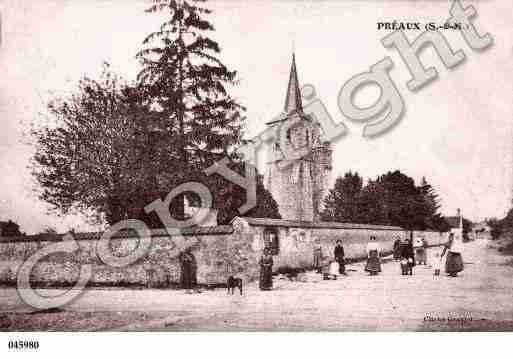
255, 166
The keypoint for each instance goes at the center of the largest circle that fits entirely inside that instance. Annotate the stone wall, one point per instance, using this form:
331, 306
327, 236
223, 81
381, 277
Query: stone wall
297, 243
220, 251
218, 255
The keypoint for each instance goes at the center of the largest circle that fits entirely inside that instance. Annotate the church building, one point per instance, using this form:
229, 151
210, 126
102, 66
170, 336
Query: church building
299, 160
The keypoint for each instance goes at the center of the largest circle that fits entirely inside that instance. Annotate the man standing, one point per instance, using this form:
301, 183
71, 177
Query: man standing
317, 256
339, 257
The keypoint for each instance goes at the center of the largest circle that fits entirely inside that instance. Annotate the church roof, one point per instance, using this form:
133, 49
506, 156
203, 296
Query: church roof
293, 98
293, 102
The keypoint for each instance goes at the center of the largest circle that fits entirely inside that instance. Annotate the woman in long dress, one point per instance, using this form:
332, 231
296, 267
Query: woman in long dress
188, 270
339, 257
409, 253
454, 260
317, 256
397, 249
373, 265
419, 250
266, 270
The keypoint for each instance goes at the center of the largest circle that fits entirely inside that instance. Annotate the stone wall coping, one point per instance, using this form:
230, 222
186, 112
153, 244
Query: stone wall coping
84, 236
270, 222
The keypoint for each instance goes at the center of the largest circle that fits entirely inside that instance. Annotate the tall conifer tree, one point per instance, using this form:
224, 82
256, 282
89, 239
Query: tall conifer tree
188, 83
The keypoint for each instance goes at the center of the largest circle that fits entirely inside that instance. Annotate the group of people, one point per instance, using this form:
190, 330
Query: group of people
332, 267
414, 252
408, 252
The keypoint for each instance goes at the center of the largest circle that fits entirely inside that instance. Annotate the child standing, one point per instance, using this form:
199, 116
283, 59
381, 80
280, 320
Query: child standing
437, 263
404, 266
410, 266
334, 269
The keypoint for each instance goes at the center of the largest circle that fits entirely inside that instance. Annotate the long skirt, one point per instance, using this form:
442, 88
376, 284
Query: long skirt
454, 263
373, 264
397, 252
266, 278
420, 254
187, 276
334, 269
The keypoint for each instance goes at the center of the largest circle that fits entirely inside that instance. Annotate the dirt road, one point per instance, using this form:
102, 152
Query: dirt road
479, 299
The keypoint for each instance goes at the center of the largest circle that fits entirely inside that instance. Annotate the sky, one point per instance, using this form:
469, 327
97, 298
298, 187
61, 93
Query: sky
456, 131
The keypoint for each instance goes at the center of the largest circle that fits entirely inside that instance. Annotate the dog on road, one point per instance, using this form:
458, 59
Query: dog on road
232, 283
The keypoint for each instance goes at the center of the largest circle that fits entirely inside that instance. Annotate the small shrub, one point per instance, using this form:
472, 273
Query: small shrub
507, 248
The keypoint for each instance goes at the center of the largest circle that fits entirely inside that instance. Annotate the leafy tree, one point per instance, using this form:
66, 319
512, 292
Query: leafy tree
91, 157
9, 229
440, 224
467, 228
343, 201
372, 203
390, 199
496, 227
230, 197
401, 203
501, 227
114, 147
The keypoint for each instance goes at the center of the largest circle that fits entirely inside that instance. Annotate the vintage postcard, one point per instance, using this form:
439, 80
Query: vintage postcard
266, 165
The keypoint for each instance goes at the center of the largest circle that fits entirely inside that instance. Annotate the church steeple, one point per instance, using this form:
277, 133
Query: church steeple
293, 99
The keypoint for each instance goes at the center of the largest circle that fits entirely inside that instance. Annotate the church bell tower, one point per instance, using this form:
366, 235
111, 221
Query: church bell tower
299, 161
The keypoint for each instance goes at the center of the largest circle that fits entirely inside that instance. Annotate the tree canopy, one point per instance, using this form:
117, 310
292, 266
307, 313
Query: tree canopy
343, 201
90, 157
9, 229
390, 199
111, 147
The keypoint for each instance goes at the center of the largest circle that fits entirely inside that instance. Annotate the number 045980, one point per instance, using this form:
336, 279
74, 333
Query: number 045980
23, 344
